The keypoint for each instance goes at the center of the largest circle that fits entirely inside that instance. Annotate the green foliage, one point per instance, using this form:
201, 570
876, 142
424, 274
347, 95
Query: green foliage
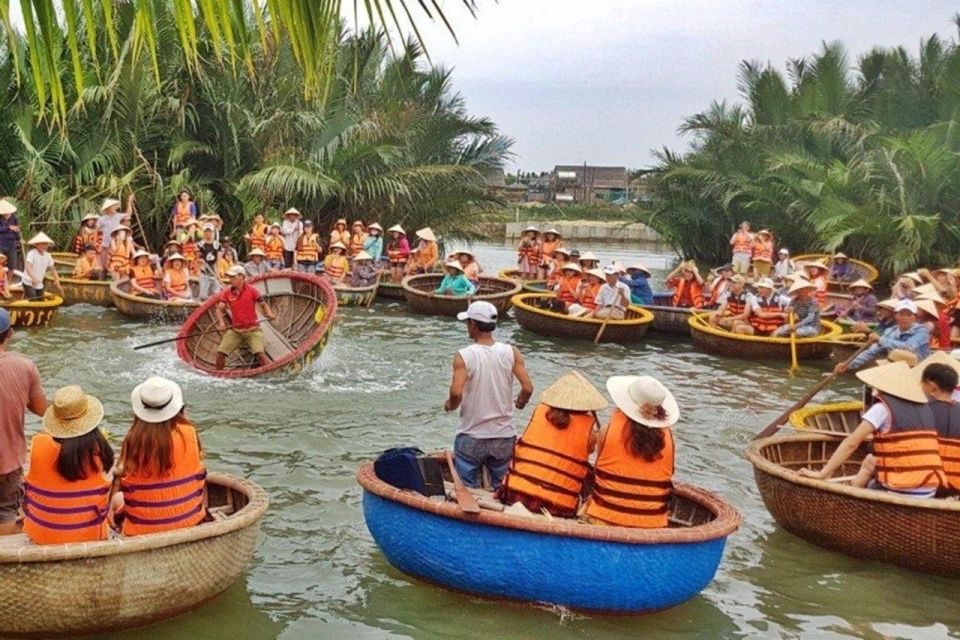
863, 160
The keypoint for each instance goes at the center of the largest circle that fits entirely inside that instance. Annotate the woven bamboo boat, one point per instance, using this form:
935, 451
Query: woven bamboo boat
28, 314
530, 285
669, 319
864, 270
75, 291
419, 292
732, 345
836, 418
83, 588
163, 310
919, 534
390, 291
355, 296
305, 305
532, 317
497, 555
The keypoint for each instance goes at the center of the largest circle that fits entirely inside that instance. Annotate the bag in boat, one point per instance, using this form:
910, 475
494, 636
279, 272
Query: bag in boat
408, 468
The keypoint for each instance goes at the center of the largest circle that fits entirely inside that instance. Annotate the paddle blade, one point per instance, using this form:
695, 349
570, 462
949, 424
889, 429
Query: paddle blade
465, 500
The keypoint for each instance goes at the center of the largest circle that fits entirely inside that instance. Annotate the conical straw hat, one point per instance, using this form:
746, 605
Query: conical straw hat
801, 283
894, 379
571, 266
427, 234
89, 216
573, 392
861, 283
109, 202
889, 303
6, 207
363, 255
397, 228
928, 292
913, 275
927, 306
453, 264
816, 264
40, 238
589, 255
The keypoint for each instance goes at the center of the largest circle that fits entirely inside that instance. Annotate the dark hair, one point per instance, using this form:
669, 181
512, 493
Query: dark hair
942, 375
484, 327
645, 442
89, 247
6, 334
559, 418
78, 456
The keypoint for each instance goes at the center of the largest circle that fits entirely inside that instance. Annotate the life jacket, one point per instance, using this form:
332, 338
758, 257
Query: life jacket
742, 242
763, 250
550, 463
182, 214
258, 237
821, 294
335, 266
274, 248
687, 293
84, 237
567, 293
719, 286
427, 255
771, 305
119, 257
395, 252
190, 250
628, 491
174, 500
308, 249
588, 295
529, 252
946, 417
908, 454
179, 281
547, 248
356, 243
57, 510
942, 335
144, 277
554, 272
736, 303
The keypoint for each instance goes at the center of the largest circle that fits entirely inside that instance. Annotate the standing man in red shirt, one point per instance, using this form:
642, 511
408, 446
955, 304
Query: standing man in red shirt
242, 300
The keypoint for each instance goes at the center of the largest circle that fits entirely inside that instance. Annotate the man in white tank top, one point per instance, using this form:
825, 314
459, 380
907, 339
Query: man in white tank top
482, 388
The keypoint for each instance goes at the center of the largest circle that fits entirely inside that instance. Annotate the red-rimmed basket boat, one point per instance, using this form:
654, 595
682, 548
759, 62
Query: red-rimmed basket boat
305, 305
530, 314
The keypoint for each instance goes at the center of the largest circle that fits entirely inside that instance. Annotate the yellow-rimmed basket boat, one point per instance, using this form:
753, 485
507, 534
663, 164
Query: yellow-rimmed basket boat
147, 308
733, 345
864, 270
76, 291
919, 534
355, 296
530, 285
836, 418
419, 292
89, 587
530, 314
31, 314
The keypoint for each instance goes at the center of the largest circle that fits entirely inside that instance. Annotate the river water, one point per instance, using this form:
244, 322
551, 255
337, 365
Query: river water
381, 382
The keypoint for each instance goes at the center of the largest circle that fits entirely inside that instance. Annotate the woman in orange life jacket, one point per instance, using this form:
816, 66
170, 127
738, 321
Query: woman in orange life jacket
121, 249
718, 286
568, 284
687, 286
939, 375
587, 292
336, 265
766, 309
549, 461
426, 255
274, 248
143, 279
928, 314
817, 275
559, 258
308, 249
741, 245
552, 240
340, 233
762, 253
357, 238
528, 253
735, 308
67, 489
87, 234
905, 458
633, 475
471, 268
160, 474
588, 261
176, 279
258, 233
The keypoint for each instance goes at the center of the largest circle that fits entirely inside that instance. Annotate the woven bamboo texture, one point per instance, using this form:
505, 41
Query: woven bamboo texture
864, 270
557, 325
732, 345
837, 418
355, 296
919, 534
667, 319
418, 291
146, 308
33, 314
305, 305
95, 292
81, 588
530, 285
390, 291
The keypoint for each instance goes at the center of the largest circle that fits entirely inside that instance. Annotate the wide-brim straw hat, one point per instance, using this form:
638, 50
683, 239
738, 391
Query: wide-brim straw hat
562, 250
531, 228
571, 266
453, 264
140, 253
108, 203
256, 252
913, 275
40, 238
292, 212
121, 227
597, 273
800, 284
427, 234
397, 229
156, 399
927, 306
589, 255
816, 264
175, 256
937, 357
573, 392
889, 303
640, 396
338, 245
72, 413
553, 231
840, 255
363, 255
895, 379
638, 266
861, 283
89, 216
375, 225
342, 221
6, 207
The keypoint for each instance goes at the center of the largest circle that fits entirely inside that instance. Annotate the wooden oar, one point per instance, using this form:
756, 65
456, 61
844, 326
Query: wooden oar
376, 285
189, 335
465, 500
603, 327
794, 366
774, 426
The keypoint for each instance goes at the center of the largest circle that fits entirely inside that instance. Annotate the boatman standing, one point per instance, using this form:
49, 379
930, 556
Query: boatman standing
482, 388
242, 300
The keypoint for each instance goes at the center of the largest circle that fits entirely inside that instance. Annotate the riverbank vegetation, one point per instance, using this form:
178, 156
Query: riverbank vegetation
829, 155
383, 136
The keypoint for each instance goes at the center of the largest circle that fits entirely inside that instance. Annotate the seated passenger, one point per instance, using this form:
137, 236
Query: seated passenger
939, 379
863, 304
336, 265
766, 309
67, 489
176, 279
143, 279
638, 279
735, 308
455, 283
635, 460
257, 264
805, 310
687, 285
362, 271
88, 266
161, 472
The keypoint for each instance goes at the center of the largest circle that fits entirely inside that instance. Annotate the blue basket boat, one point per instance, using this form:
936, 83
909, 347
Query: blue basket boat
559, 562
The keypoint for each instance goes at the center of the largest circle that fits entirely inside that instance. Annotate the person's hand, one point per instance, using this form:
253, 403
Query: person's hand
448, 406
221, 325
840, 368
860, 327
810, 473
520, 403
873, 338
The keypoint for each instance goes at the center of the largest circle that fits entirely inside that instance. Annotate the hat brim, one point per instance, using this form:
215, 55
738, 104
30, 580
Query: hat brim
74, 428
162, 414
573, 392
463, 316
619, 389
895, 379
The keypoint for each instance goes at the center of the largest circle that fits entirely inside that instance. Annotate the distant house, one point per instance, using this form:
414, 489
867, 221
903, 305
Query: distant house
498, 188
584, 184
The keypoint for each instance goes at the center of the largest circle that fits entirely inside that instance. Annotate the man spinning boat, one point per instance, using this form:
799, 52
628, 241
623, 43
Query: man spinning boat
243, 301
908, 341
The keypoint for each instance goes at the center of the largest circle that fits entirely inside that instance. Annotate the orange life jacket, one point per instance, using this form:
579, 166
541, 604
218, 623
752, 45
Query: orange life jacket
529, 252
57, 510
119, 257
395, 253
763, 250
335, 266
190, 250
179, 281
84, 237
629, 491
946, 416
356, 243
736, 303
821, 293
716, 290
554, 271
766, 325
550, 463
174, 500
274, 248
742, 242
144, 277
687, 293
567, 293
182, 214
588, 295
308, 249
258, 237
427, 255
547, 248
908, 454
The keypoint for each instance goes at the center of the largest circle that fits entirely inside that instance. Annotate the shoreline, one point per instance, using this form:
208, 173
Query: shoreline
607, 231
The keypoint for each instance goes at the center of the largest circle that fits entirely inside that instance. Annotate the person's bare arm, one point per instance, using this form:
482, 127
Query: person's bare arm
38, 399
221, 322
842, 453
520, 372
457, 382
266, 310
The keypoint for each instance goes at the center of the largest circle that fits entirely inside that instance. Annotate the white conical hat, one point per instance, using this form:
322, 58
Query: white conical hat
427, 234
292, 212
589, 255
363, 255
7, 207
801, 283
397, 228
338, 245
40, 238
861, 283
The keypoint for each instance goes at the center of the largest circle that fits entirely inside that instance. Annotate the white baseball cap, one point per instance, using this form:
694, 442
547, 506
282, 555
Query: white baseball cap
479, 311
906, 305
236, 270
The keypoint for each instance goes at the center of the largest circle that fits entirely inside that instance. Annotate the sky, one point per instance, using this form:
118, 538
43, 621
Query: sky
608, 81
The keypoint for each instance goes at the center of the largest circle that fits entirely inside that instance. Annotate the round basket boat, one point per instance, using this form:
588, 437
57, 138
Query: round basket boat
837, 418
919, 534
668, 319
163, 310
390, 291
419, 292
864, 270
607, 569
355, 296
531, 316
27, 314
305, 305
76, 291
733, 345
530, 285
89, 587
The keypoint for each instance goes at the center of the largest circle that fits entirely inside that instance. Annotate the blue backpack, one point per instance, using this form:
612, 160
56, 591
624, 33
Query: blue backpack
408, 468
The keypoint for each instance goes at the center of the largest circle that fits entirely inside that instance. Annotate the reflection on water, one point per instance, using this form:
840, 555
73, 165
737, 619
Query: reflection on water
382, 382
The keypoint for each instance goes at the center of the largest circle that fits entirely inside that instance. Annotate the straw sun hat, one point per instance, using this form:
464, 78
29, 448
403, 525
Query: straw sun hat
175, 256
862, 284
40, 238
6, 207
427, 234
645, 400
363, 255
453, 264
895, 379
338, 245
256, 252
927, 306
800, 284
573, 392
109, 203
638, 266
156, 399
375, 225
589, 256
72, 413
397, 228
571, 266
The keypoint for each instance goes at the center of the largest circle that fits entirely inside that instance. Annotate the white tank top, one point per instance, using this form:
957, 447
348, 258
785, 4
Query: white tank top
487, 407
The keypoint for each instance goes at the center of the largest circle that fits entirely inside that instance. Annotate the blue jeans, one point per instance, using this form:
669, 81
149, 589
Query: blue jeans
470, 455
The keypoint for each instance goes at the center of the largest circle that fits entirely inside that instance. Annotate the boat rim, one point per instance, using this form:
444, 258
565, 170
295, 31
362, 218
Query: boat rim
49, 301
115, 290
872, 272
520, 300
515, 288
698, 322
798, 418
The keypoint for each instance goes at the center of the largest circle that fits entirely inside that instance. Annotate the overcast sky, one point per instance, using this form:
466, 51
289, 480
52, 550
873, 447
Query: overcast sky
606, 81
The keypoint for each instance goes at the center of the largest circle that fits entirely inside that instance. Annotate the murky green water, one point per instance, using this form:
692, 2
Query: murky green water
381, 382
